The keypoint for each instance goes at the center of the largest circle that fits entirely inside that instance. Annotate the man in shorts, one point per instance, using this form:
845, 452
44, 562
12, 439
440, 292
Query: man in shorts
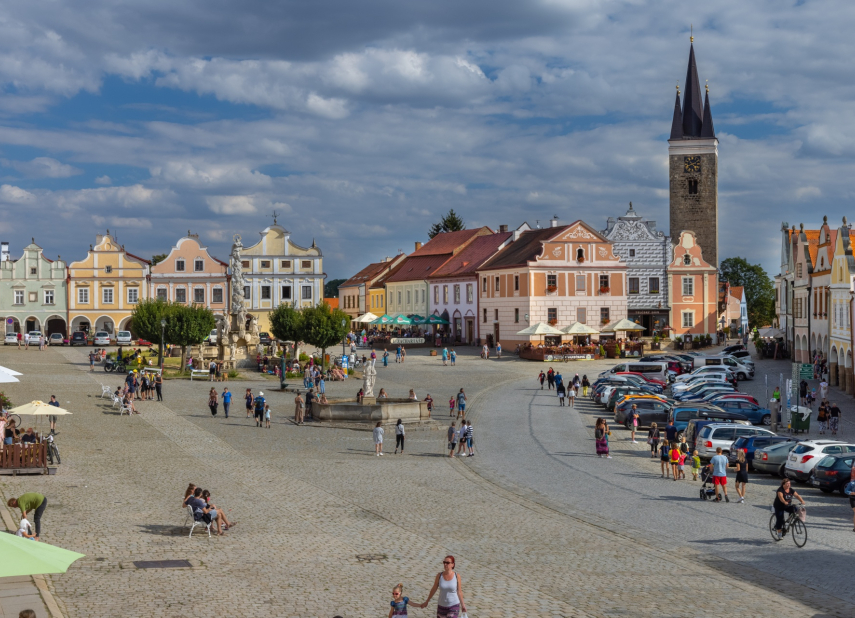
461, 404
452, 439
719, 464
52, 417
259, 409
91, 361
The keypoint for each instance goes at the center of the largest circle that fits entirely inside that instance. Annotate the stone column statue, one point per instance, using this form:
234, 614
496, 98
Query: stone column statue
369, 376
238, 310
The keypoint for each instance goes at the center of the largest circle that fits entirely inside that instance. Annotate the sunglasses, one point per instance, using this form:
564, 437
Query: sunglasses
447, 562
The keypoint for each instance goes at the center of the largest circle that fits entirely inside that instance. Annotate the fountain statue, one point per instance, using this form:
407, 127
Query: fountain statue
369, 375
233, 339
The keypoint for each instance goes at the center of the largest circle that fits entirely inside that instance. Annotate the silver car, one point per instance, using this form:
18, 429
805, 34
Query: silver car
773, 459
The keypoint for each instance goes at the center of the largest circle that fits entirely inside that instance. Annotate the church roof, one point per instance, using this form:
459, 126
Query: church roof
695, 120
677, 122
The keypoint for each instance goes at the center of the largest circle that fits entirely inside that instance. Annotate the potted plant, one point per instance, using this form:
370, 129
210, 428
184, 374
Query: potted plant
553, 322
604, 321
604, 289
551, 288
696, 343
580, 259
655, 344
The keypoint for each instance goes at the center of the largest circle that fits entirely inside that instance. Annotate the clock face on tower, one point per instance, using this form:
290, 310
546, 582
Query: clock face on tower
692, 164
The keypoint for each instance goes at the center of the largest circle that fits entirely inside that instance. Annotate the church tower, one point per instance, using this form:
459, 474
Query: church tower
693, 166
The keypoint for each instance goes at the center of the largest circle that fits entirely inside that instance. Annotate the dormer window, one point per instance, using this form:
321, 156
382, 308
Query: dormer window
687, 260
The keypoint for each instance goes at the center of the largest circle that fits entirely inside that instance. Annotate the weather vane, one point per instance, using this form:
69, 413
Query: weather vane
274, 215
691, 33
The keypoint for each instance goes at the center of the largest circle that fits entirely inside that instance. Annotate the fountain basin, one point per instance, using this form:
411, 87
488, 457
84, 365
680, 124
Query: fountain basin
379, 410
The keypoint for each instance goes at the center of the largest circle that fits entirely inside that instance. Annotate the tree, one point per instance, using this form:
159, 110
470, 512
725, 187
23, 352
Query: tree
759, 288
324, 327
286, 324
188, 325
146, 318
331, 288
451, 222
156, 259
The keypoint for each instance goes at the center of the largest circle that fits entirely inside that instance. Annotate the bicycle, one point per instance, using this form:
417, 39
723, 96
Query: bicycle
52, 451
16, 418
793, 522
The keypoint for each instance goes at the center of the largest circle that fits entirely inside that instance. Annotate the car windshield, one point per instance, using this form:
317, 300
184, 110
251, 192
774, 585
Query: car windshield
802, 448
740, 442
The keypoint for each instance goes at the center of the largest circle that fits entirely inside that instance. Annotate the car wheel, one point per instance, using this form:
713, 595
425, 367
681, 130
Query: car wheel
742, 376
767, 419
782, 471
826, 490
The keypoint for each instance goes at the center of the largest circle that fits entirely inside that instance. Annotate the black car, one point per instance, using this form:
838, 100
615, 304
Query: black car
733, 348
649, 411
749, 444
264, 338
78, 338
832, 472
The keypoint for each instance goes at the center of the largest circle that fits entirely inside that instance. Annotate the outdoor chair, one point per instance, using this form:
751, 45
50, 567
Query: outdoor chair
116, 400
106, 390
198, 521
125, 409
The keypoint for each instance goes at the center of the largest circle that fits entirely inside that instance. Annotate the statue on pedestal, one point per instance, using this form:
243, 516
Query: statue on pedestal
368, 376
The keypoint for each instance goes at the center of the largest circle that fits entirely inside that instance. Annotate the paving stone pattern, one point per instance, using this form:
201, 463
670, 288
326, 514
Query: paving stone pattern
308, 500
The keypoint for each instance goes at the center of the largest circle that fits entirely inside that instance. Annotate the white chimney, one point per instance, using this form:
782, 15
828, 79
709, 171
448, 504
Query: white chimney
553, 222
4, 252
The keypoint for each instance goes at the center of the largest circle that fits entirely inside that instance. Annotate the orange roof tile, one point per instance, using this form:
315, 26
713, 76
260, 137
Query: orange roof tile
448, 242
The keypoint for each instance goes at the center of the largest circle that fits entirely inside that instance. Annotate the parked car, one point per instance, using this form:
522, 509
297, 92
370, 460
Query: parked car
696, 425
802, 459
212, 337
684, 413
11, 339
773, 458
56, 339
102, 338
735, 395
78, 338
645, 377
680, 387
724, 435
702, 390
632, 398
832, 472
714, 370
264, 338
742, 356
756, 414
751, 444
649, 411
144, 342
123, 337
736, 347
33, 336
618, 393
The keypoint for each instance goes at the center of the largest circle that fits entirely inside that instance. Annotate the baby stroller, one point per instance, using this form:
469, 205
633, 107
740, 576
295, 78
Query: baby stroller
706, 492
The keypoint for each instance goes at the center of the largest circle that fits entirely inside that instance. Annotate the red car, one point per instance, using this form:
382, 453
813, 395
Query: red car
741, 396
641, 375
143, 342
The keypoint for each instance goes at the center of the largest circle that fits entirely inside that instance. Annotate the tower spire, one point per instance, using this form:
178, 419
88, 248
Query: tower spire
707, 130
692, 110
677, 122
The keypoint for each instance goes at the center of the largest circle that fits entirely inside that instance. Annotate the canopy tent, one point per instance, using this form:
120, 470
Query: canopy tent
577, 328
418, 319
771, 333
623, 325
24, 557
366, 318
38, 408
540, 329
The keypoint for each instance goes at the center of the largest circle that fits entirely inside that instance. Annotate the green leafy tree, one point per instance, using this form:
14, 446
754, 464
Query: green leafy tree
331, 288
146, 317
759, 288
188, 325
286, 324
157, 259
450, 222
324, 327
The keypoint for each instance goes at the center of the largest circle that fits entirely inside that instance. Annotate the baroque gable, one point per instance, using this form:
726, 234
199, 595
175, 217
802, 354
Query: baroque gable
579, 232
624, 231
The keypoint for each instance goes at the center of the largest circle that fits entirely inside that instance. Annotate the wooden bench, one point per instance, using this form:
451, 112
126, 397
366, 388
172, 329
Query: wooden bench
199, 373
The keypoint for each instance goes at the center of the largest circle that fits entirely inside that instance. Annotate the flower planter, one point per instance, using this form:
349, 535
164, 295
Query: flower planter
551, 288
655, 346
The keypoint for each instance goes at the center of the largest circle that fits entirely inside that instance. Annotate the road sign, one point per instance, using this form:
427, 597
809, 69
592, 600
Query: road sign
806, 371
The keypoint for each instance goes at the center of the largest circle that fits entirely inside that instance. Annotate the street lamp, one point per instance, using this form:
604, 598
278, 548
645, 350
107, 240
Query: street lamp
343, 324
162, 337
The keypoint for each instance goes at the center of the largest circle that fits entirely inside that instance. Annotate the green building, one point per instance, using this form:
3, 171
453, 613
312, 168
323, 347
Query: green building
33, 292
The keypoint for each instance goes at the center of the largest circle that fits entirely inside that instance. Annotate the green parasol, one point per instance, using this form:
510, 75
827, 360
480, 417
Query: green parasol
435, 319
401, 320
26, 557
383, 319
417, 319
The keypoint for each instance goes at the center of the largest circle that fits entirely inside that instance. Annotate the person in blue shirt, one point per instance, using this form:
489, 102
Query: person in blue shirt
259, 409
52, 417
719, 463
227, 400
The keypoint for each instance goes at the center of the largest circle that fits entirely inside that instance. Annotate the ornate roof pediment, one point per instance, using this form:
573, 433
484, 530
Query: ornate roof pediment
631, 230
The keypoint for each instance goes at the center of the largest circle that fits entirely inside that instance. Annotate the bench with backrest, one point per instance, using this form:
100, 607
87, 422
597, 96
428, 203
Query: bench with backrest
197, 520
199, 373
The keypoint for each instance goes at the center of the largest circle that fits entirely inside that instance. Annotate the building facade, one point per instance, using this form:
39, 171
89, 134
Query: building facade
693, 166
453, 288
104, 287
191, 275
647, 253
33, 292
693, 290
355, 294
734, 305
820, 282
276, 271
558, 275
840, 312
804, 256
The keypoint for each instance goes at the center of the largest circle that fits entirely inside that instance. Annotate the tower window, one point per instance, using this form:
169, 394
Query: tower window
693, 186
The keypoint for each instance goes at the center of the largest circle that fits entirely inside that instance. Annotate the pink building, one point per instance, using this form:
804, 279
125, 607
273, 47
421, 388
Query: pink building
189, 274
693, 290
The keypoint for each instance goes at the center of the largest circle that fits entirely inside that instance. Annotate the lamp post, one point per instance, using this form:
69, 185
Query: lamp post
343, 324
162, 337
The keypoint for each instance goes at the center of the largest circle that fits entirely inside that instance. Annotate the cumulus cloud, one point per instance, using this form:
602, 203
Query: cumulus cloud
103, 180
232, 204
11, 194
43, 167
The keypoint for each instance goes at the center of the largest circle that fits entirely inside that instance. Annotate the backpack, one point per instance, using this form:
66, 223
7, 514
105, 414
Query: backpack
850, 488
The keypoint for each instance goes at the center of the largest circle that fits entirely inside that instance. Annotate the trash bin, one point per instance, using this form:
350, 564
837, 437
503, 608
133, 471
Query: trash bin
800, 419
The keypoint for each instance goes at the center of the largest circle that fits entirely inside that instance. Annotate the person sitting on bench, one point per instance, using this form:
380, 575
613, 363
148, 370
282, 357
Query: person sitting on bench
204, 512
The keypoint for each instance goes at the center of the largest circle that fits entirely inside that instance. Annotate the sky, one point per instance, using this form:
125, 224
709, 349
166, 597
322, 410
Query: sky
361, 123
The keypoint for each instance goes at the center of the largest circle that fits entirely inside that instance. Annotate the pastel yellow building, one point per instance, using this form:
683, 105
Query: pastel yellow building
276, 271
104, 287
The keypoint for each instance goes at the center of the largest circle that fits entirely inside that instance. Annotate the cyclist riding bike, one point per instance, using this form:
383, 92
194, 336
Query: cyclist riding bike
783, 503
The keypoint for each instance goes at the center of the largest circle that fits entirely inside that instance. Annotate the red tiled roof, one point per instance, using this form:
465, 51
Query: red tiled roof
418, 267
470, 258
447, 242
523, 250
812, 237
366, 274
736, 292
332, 302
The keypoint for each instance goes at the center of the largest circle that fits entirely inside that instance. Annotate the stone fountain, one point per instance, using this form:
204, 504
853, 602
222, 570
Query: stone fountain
234, 339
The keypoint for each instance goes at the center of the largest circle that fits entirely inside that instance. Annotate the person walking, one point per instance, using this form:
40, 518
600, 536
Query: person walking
541, 377
91, 361
452, 439
498, 350
385, 357
653, 439
27, 502
470, 439
451, 403
267, 415
633, 422
298, 410
378, 439
461, 404
823, 389
403, 354
550, 379
452, 357
158, 386
601, 437
571, 395
664, 458
20, 337
562, 392
213, 401
399, 436
258, 404
398, 354
741, 475
450, 588
444, 357
461, 439
852, 495
834, 415
822, 417
248, 399
719, 464
586, 384
52, 417
227, 401
803, 391
212, 370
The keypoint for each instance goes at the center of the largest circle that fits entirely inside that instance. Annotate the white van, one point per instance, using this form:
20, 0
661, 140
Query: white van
648, 369
212, 338
742, 372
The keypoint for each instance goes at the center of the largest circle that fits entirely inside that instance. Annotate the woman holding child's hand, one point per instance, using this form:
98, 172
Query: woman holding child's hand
450, 592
